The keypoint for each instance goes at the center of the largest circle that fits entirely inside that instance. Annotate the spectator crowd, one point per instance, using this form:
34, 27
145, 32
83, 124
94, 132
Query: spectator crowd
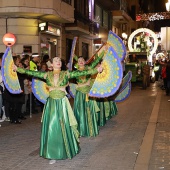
15, 107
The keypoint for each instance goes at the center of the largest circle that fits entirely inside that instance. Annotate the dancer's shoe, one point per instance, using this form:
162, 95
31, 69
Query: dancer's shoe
52, 161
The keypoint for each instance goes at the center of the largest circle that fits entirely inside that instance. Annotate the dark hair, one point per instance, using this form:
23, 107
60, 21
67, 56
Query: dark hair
44, 64
81, 57
26, 56
46, 58
23, 60
63, 67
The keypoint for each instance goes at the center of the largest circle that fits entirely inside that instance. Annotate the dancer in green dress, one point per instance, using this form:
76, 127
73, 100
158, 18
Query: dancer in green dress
59, 135
85, 108
107, 108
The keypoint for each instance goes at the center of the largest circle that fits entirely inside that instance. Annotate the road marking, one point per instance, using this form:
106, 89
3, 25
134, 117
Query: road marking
143, 158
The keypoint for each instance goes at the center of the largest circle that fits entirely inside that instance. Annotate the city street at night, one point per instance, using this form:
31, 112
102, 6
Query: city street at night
135, 139
85, 85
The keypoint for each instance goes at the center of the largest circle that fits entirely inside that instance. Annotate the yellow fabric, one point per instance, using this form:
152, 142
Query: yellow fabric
87, 98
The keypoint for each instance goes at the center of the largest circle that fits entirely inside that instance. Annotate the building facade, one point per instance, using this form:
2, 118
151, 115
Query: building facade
24, 18
48, 27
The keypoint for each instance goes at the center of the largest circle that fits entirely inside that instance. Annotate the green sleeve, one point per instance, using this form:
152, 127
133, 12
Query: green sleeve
75, 58
97, 60
37, 74
78, 73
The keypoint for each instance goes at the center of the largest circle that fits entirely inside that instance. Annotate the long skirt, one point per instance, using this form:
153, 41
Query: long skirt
110, 109
59, 136
102, 114
85, 111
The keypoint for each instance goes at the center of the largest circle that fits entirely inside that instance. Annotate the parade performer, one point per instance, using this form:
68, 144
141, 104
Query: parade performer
108, 108
59, 135
85, 108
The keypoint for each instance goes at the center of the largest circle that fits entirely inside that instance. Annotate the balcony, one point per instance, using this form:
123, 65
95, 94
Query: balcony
120, 16
120, 12
83, 27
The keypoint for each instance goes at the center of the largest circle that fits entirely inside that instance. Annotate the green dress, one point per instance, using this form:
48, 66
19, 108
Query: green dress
85, 108
59, 134
108, 109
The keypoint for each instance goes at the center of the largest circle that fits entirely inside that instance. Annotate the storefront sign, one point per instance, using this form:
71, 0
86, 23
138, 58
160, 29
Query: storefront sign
53, 30
45, 27
9, 39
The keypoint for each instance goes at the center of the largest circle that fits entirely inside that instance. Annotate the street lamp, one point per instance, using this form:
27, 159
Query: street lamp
168, 6
124, 36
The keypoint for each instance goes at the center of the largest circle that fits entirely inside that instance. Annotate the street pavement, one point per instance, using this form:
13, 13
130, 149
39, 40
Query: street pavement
138, 138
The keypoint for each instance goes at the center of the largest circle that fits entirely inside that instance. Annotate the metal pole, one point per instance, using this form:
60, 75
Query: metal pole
31, 105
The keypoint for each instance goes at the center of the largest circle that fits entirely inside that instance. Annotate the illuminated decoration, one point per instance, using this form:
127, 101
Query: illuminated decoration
168, 6
153, 16
9, 39
160, 55
146, 31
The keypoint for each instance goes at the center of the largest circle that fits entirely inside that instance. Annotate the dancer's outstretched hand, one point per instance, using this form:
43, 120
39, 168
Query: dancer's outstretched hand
14, 67
100, 69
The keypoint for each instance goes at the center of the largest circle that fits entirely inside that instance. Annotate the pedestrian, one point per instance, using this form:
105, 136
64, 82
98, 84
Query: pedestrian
34, 62
27, 86
46, 60
163, 75
34, 65
85, 108
59, 134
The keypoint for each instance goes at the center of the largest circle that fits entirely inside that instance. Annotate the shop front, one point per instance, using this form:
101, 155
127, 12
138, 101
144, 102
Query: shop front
49, 39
